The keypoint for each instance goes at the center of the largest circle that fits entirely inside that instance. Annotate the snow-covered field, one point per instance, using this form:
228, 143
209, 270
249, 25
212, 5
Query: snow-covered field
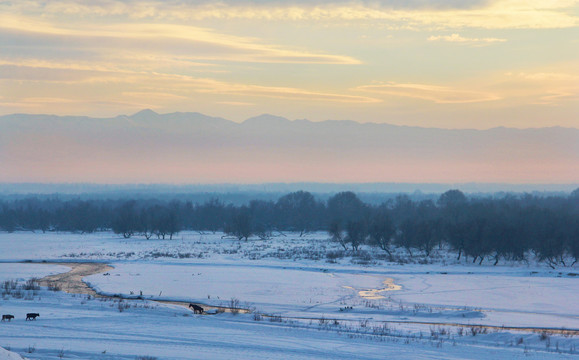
308, 300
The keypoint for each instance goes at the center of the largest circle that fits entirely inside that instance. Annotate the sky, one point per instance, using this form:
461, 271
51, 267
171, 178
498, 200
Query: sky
446, 64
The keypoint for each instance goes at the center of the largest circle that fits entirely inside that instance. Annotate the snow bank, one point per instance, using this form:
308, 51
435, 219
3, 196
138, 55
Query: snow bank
9, 355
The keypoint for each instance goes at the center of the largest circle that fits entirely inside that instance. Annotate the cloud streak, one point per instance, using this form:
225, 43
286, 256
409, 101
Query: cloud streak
538, 87
456, 38
497, 14
434, 93
541, 87
155, 86
207, 44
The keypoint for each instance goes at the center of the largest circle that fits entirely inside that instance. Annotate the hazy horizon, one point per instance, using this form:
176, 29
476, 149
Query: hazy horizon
280, 187
148, 147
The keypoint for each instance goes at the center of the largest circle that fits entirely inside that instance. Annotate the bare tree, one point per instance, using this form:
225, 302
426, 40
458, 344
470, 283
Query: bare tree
381, 231
356, 234
337, 234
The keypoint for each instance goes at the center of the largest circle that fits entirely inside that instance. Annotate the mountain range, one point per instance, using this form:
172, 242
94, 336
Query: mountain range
196, 148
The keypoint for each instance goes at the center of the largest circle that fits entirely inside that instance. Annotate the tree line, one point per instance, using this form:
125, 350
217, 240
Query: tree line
478, 228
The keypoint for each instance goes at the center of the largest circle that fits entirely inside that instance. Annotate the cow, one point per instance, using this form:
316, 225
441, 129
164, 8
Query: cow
32, 316
196, 309
7, 317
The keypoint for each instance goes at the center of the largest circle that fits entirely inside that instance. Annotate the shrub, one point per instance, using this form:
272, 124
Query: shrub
31, 284
234, 306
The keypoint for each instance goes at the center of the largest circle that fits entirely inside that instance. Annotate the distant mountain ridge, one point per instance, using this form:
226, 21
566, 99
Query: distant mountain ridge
152, 147
148, 115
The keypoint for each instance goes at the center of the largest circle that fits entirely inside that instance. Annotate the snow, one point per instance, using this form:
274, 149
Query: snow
15, 271
88, 329
269, 288
9, 355
491, 299
523, 300
394, 306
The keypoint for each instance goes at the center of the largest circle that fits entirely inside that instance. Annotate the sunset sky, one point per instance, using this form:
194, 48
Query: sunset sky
448, 64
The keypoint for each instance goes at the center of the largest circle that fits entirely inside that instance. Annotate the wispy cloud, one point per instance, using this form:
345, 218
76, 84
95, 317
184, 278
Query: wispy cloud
207, 44
212, 86
288, 93
542, 87
523, 88
456, 38
155, 86
497, 14
148, 95
434, 93
33, 102
235, 103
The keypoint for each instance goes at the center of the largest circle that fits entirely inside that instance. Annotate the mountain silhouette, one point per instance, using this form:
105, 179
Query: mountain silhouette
196, 147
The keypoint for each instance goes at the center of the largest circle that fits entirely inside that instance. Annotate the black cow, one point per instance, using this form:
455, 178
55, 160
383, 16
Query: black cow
196, 309
7, 317
32, 316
